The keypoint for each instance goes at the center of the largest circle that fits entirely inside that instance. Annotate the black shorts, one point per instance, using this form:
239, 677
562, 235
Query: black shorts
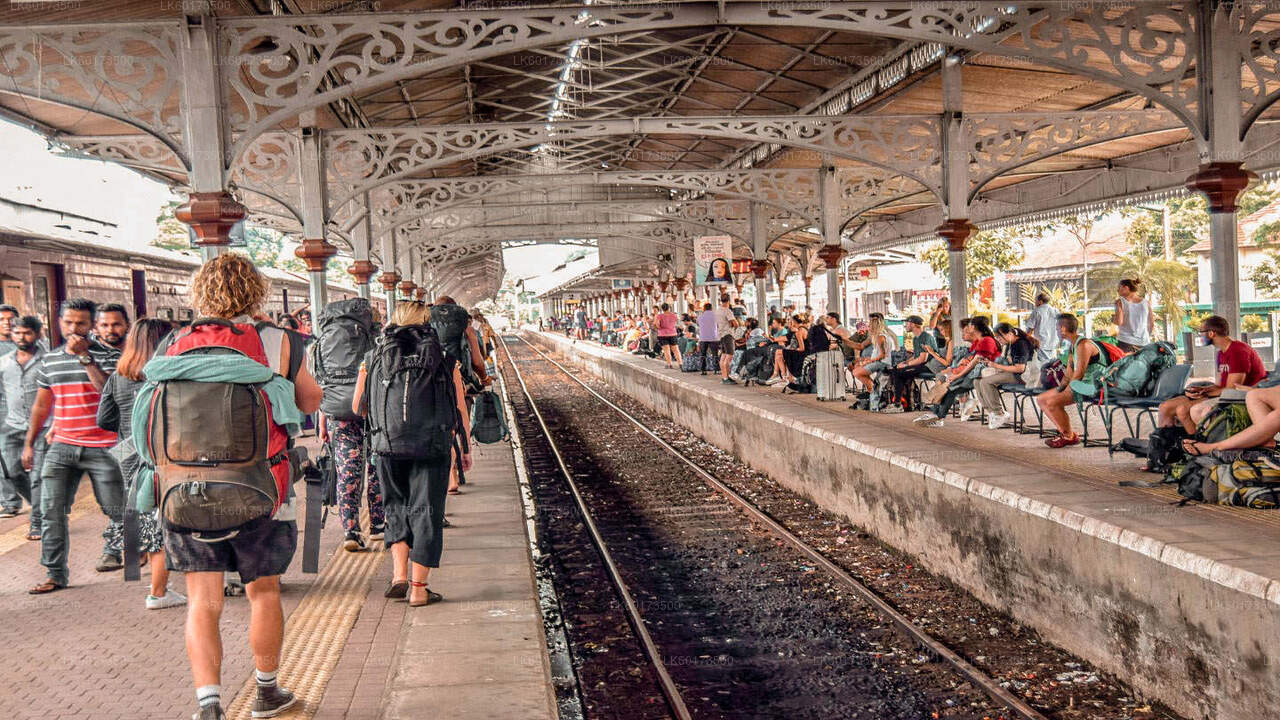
263, 547
1127, 347
664, 341
726, 345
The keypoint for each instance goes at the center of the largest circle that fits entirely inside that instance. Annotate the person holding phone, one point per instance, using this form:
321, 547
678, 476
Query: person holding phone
1238, 366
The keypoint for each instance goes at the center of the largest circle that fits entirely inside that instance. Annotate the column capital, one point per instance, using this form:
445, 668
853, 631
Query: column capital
956, 231
211, 215
682, 283
407, 287
760, 268
315, 252
389, 278
420, 294
831, 255
1221, 183
362, 270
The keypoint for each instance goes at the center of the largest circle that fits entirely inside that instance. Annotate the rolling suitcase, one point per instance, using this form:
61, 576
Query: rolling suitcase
829, 372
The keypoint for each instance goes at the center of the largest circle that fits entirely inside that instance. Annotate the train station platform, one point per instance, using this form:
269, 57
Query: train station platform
93, 652
1181, 602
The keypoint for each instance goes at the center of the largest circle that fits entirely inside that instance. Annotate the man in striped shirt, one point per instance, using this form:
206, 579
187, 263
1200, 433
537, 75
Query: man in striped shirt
70, 384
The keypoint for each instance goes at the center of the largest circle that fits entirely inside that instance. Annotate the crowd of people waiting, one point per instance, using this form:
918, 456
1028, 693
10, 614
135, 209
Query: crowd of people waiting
78, 410
929, 372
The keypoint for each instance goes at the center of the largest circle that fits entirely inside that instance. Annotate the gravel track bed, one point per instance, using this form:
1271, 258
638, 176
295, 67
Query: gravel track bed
1052, 680
746, 627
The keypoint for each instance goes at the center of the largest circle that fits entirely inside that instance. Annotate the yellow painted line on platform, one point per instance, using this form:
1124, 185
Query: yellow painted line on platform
317, 630
17, 537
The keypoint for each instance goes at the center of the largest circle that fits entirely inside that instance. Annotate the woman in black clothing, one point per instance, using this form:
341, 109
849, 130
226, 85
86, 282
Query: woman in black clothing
115, 413
1018, 349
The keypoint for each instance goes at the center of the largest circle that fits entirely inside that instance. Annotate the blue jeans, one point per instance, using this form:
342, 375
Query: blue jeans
64, 466
24, 485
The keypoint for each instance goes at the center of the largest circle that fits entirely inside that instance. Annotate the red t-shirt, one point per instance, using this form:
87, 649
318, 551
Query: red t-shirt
986, 347
1240, 358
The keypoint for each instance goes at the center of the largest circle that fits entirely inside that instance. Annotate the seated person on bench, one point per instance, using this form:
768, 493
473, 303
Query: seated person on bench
1238, 367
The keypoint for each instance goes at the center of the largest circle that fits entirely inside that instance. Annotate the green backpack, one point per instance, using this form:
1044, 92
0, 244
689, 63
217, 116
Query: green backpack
1132, 375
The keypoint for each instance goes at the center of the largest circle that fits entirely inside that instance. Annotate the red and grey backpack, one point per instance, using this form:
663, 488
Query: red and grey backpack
220, 458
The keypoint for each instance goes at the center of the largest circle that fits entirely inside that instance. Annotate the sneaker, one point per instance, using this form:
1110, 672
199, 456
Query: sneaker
773, 381
353, 542
209, 712
1061, 441
108, 563
272, 700
233, 588
927, 417
893, 409
168, 600
377, 533
728, 381
8, 512
937, 423
995, 421
735, 377
968, 409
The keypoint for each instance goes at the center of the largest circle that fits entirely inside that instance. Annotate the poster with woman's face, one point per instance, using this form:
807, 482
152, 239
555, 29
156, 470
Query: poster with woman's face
711, 258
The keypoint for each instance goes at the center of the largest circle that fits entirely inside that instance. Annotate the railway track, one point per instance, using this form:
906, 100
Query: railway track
720, 608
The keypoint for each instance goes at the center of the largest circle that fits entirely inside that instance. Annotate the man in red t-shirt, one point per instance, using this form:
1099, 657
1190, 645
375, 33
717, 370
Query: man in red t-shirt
1238, 366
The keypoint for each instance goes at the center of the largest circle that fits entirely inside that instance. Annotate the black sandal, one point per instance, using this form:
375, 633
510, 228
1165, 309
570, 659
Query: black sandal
397, 590
432, 597
1189, 446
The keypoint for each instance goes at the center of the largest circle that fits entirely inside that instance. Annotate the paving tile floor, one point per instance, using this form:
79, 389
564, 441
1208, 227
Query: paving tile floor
93, 651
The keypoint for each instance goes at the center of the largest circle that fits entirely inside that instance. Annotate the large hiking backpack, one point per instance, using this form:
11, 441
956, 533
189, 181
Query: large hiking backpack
413, 409
807, 382
344, 335
488, 422
450, 322
1252, 481
220, 458
1132, 375
1222, 422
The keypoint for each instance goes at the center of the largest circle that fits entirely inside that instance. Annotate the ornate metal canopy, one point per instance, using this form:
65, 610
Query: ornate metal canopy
426, 136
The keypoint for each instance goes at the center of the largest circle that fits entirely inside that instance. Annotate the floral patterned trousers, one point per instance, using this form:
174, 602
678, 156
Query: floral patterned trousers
350, 461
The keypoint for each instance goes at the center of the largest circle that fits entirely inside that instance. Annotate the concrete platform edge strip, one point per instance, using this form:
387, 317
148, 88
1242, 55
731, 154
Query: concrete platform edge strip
1215, 571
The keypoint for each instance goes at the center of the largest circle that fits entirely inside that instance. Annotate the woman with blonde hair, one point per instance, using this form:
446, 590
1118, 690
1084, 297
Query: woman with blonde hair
881, 342
414, 487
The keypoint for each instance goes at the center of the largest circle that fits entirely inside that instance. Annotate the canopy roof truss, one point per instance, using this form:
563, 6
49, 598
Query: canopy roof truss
442, 129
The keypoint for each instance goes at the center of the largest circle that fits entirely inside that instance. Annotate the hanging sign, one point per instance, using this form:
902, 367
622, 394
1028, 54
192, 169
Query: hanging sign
621, 284
711, 260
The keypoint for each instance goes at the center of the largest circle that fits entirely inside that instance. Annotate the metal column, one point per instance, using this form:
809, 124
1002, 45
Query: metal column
210, 210
315, 251
759, 250
955, 179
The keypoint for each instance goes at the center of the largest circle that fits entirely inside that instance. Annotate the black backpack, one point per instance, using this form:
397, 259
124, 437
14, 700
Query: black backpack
344, 335
488, 423
450, 323
413, 409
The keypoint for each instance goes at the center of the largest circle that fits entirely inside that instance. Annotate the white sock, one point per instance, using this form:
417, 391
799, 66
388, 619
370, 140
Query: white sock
266, 678
209, 695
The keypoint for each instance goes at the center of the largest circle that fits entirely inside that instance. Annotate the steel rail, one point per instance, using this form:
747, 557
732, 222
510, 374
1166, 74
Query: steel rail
668, 686
988, 684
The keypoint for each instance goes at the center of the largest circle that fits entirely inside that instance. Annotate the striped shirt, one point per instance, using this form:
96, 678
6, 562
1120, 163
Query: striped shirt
75, 400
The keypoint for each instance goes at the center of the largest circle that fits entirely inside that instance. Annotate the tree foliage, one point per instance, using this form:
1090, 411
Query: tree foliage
171, 233
1265, 276
1168, 283
987, 251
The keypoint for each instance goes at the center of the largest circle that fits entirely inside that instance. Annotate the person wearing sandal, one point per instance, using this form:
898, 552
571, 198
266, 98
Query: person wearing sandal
413, 489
